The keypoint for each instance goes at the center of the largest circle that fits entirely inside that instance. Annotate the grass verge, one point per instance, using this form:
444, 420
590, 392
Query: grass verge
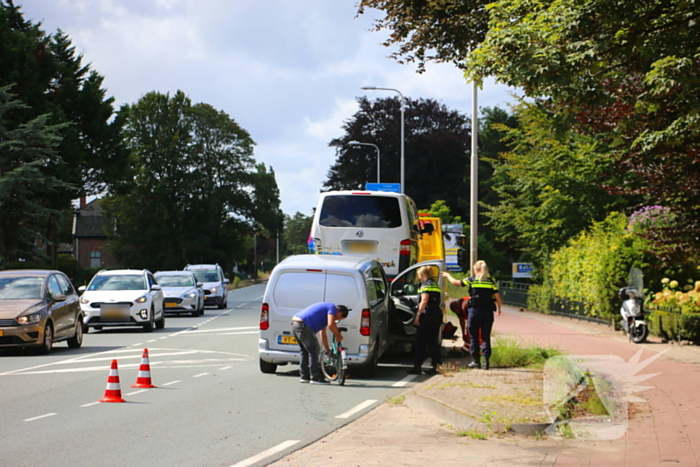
509, 352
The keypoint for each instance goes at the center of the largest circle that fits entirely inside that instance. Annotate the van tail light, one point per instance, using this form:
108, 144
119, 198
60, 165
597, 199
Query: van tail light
365, 323
265, 317
405, 247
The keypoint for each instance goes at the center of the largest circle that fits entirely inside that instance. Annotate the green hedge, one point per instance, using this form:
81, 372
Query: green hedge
591, 268
672, 325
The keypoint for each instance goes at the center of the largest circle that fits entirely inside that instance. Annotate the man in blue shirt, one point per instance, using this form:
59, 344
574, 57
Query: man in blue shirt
306, 324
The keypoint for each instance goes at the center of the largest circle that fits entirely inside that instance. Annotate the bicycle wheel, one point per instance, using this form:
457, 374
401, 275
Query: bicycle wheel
341, 369
329, 366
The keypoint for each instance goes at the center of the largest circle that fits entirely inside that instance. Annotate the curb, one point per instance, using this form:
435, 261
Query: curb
463, 422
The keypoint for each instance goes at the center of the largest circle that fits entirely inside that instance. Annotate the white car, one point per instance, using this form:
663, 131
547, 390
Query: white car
122, 297
181, 291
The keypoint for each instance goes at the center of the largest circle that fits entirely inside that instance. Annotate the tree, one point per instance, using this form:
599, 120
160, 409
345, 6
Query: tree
492, 144
296, 234
194, 192
625, 71
436, 149
431, 30
26, 149
46, 74
549, 185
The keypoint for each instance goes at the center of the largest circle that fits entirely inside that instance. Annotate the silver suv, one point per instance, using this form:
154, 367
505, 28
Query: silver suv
213, 281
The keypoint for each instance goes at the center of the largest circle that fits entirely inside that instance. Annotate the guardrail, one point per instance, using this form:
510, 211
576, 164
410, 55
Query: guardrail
516, 293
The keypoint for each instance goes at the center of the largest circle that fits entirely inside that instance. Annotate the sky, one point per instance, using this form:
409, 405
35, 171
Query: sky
288, 72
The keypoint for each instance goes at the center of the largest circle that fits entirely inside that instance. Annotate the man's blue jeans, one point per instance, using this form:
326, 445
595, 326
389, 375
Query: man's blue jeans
310, 350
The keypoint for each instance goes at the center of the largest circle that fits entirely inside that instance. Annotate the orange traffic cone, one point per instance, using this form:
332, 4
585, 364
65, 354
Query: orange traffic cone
144, 378
113, 393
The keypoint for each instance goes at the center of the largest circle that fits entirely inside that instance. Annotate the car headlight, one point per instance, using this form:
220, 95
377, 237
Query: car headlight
190, 295
84, 301
214, 289
143, 299
29, 319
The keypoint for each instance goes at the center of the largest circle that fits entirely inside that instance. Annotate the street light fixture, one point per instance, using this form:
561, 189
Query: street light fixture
357, 143
403, 106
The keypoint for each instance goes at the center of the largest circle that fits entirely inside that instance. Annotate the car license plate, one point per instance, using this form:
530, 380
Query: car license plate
205, 297
363, 247
170, 305
287, 340
114, 313
0, 332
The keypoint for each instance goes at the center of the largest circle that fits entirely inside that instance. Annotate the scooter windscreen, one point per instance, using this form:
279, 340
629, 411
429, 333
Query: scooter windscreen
635, 280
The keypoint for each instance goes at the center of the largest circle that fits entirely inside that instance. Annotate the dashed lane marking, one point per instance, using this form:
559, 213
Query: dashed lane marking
356, 409
39, 417
404, 382
272, 451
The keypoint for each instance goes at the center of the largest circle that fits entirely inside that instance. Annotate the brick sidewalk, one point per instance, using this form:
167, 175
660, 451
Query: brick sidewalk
663, 430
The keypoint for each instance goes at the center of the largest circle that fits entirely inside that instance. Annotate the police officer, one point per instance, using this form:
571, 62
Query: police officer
428, 320
484, 299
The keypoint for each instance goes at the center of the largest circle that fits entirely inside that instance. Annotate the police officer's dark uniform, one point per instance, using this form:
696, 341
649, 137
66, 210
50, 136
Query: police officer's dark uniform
481, 306
428, 331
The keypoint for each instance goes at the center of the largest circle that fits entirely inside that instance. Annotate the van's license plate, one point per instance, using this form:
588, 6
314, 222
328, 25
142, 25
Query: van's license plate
361, 246
286, 340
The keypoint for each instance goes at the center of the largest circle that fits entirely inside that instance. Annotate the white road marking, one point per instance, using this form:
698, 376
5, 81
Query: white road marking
196, 330
404, 382
244, 304
200, 375
135, 392
39, 417
225, 368
268, 453
91, 403
172, 382
356, 409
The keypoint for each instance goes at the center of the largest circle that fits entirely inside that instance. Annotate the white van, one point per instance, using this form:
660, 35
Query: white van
376, 224
380, 313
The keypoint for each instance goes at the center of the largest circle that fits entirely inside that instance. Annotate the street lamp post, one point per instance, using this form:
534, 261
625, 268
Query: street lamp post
474, 212
357, 143
403, 107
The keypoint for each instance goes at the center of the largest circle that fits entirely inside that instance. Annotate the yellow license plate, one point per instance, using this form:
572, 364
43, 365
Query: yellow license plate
287, 340
0, 332
205, 297
361, 247
170, 305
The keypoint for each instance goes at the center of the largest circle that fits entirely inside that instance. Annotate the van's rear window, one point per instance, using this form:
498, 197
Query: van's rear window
360, 211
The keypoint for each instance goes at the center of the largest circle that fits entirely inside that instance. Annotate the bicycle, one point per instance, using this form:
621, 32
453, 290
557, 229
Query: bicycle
334, 364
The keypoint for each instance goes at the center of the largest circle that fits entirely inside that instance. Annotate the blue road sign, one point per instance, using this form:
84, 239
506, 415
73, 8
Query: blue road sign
393, 187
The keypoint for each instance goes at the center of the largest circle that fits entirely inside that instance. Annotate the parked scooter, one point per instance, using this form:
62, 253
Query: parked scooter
632, 309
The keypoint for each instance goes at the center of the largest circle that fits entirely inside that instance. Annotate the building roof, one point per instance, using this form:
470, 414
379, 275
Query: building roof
93, 226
